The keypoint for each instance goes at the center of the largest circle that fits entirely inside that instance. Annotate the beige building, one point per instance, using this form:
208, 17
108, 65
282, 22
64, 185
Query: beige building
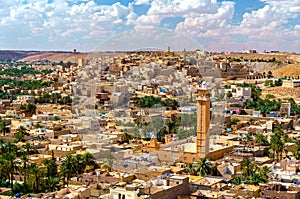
291, 83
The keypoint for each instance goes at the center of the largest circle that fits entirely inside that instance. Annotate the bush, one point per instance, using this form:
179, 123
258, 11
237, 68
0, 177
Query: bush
235, 120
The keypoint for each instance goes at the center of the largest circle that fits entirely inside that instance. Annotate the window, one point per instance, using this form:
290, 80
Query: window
184, 158
120, 196
193, 159
123, 197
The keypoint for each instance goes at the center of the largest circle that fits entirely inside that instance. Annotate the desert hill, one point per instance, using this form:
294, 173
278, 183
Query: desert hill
56, 57
15, 54
281, 92
283, 57
290, 70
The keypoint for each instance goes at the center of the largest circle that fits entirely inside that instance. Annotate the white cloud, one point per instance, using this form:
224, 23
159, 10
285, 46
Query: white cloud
131, 18
60, 19
182, 7
290, 5
141, 2
64, 22
148, 20
206, 25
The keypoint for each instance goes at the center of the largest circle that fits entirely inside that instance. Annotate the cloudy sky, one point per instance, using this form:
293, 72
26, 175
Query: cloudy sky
215, 25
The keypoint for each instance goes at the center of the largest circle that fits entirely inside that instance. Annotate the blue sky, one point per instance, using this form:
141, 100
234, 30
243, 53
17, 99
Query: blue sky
213, 25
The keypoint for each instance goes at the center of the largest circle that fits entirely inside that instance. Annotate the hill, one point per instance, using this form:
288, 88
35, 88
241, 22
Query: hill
53, 56
56, 57
290, 70
281, 92
15, 55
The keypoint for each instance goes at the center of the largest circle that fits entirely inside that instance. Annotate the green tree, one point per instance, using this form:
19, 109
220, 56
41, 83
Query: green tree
261, 139
30, 108
24, 166
66, 169
156, 125
229, 94
126, 138
36, 176
270, 96
4, 169
78, 164
19, 137
202, 167
109, 160
296, 151
22, 130
189, 168
276, 144
170, 103
56, 118
265, 173
52, 184
235, 120
172, 126
4, 127
51, 168
148, 101
89, 159
237, 180
10, 155
255, 179
249, 140
248, 168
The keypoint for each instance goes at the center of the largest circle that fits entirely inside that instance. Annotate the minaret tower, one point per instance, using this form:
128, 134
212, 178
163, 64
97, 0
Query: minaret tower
203, 120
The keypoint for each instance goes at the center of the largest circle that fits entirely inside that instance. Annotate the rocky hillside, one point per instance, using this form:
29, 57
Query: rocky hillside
290, 70
56, 57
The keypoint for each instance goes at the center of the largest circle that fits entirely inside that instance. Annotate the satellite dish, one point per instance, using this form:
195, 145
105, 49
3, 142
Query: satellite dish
204, 85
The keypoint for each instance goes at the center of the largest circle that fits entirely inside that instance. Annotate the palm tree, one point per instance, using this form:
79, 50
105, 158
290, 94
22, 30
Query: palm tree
2, 145
126, 137
28, 148
66, 168
4, 127
189, 168
24, 167
88, 159
237, 180
78, 164
249, 139
171, 126
37, 175
109, 161
202, 167
248, 168
261, 138
19, 137
265, 173
52, 184
296, 151
51, 168
276, 144
10, 156
4, 169
255, 179
30, 108
22, 130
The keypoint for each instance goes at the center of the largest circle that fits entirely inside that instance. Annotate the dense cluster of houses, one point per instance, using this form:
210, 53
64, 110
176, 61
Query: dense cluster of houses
138, 158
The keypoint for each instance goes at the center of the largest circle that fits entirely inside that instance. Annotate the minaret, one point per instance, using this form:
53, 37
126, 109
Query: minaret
203, 120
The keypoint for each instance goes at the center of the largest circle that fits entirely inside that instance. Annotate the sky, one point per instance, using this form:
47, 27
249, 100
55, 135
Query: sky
89, 25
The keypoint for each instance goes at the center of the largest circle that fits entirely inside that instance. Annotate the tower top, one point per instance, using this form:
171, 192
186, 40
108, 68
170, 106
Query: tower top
203, 93
204, 85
